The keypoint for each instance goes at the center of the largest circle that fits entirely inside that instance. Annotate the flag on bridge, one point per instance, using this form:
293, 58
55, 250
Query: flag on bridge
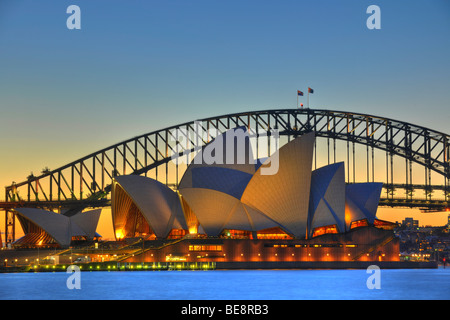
299, 93
310, 90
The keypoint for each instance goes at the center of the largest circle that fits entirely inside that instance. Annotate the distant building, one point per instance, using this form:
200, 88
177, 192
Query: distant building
410, 223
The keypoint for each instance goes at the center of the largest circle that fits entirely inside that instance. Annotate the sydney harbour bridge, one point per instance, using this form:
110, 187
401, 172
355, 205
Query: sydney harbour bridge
411, 161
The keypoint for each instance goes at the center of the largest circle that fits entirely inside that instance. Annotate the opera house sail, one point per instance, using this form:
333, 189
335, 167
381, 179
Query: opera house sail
143, 207
50, 229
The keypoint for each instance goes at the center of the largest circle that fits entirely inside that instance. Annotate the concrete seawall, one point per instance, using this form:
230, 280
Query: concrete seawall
327, 265
166, 266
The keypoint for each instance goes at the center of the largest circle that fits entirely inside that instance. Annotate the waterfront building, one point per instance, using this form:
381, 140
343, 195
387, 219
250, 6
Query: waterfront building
233, 212
237, 208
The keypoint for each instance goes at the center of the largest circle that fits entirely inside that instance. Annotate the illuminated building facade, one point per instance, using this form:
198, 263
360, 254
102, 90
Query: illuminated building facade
232, 211
359, 244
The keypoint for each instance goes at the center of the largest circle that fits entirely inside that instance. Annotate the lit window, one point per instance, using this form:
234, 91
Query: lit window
325, 230
359, 223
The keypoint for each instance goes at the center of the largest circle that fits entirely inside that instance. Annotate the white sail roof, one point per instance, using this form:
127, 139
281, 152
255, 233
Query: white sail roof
87, 221
284, 196
327, 205
216, 211
159, 205
56, 225
362, 202
60, 227
230, 150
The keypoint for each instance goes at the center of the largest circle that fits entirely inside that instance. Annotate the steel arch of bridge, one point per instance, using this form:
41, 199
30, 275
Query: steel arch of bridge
86, 182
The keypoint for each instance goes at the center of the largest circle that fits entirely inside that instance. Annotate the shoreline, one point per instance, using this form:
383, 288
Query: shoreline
263, 265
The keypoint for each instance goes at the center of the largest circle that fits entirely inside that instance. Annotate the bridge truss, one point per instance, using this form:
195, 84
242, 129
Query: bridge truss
411, 161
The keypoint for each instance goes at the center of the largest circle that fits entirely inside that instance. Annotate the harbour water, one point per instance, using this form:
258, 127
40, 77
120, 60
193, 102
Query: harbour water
395, 284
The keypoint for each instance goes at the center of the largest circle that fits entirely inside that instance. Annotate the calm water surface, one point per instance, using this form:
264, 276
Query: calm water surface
230, 284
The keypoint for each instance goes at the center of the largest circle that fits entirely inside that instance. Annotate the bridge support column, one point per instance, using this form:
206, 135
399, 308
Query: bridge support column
10, 227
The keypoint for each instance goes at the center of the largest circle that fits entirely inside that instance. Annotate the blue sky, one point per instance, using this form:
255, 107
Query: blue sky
138, 66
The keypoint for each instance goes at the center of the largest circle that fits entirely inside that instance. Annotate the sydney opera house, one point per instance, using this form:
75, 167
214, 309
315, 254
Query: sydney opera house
236, 208
241, 210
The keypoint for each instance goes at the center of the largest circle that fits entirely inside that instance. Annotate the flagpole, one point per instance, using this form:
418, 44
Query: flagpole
308, 98
309, 91
297, 99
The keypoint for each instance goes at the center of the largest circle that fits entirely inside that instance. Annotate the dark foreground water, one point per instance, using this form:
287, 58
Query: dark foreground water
409, 284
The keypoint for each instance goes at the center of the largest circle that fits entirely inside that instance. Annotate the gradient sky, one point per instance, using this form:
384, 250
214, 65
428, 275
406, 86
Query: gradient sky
138, 66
